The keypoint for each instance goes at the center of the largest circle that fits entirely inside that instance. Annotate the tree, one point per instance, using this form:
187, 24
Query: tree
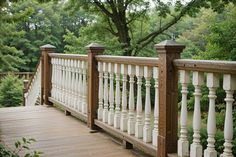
120, 17
11, 88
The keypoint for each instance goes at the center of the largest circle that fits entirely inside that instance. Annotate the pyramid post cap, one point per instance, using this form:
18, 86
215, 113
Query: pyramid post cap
47, 46
95, 46
169, 43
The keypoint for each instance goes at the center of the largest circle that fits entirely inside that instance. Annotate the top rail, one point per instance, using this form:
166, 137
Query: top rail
206, 65
143, 61
69, 56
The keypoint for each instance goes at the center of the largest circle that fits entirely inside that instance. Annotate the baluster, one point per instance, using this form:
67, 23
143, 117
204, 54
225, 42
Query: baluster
69, 83
123, 124
100, 91
111, 94
56, 79
156, 107
62, 80
183, 144
147, 137
229, 85
53, 77
65, 81
117, 98
73, 83
80, 86
196, 147
105, 109
212, 84
131, 120
139, 108
84, 106
77, 85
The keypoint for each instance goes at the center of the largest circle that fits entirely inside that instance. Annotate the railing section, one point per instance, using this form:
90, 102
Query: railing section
34, 88
199, 73
121, 87
69, 81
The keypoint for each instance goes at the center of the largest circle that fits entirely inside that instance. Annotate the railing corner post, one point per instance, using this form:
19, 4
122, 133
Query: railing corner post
93, 49
46, 73
25, 84
168, 97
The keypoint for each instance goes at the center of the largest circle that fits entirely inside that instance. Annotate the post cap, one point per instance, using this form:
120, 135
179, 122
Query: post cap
94, 46
169, 45
47, 46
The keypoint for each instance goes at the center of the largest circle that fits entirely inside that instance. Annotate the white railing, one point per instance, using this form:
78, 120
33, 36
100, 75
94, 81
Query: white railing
212, 81
121, 96
69, 83
34, 88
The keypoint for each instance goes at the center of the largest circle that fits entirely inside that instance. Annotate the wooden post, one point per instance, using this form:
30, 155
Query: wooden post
46, 73
168, 97
92, 99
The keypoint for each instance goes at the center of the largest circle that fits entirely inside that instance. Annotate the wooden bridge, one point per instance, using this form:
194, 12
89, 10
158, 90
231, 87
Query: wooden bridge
133, 99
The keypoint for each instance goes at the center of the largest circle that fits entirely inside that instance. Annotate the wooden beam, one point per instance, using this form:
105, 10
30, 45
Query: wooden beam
168, 97
92, 96
46, 73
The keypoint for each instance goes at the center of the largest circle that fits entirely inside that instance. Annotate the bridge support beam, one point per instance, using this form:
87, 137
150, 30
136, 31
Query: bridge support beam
168, 97
46, 73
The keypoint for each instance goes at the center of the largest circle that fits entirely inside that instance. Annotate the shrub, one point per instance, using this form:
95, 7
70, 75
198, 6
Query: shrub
11, 88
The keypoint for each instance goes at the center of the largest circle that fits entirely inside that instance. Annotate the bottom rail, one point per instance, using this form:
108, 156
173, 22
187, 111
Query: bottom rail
146, 147
74, 113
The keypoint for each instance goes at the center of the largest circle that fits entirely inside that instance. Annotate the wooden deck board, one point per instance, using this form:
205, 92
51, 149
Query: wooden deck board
57, 135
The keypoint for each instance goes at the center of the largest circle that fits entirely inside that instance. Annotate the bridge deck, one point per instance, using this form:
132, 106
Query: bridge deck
57, 135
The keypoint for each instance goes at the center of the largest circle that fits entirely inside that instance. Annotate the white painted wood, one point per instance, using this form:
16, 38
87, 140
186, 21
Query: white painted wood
183, 143
76, 85
72, 84
100, 91
64, 81
212, 84
131, 119
84, 105
156, 107
123, 123
196, 147
117, 97
229, 85
80, 86
53, 77
139, 108
111, 94
105, 109
67, 82
147, 137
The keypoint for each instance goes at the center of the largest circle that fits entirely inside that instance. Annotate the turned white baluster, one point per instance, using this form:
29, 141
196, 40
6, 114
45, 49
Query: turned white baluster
111, 94
229, 85
147, 135
123, 123
64, 81
105, 109
183, 143
117, 97
84, 105
76, 84
212, 84
139, 108
196, 147
72, 84
53, 77
131, 120
80, 86
156, 107
56, 79
100, 91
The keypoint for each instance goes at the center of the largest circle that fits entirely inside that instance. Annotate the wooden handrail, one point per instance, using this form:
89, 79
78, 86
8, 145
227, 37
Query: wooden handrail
142, 61
206, 65
69, 56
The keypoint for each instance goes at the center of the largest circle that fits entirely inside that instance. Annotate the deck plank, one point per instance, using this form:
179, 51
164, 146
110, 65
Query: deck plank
57, 135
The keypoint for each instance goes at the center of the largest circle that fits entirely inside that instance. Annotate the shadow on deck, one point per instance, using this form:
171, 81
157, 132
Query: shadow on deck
57, 135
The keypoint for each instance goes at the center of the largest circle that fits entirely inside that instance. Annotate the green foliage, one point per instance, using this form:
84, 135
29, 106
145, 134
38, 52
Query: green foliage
20, 145
11, 89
